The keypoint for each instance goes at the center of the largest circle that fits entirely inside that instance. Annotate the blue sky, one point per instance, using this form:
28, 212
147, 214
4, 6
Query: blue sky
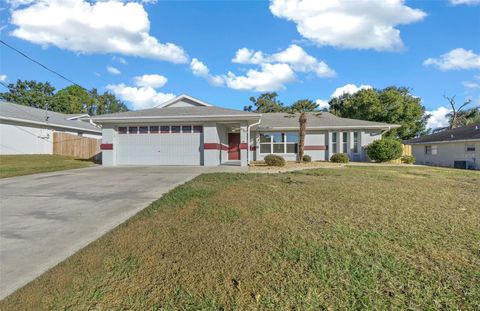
300, 49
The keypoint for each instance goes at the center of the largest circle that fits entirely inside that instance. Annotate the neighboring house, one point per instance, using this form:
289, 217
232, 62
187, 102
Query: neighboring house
188, 131
458, 147
28, 130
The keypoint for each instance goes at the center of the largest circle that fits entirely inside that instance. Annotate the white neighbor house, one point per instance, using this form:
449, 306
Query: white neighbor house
458, 147
188, 131
28, 130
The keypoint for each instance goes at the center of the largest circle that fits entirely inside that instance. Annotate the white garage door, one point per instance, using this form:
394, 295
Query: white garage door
160, 145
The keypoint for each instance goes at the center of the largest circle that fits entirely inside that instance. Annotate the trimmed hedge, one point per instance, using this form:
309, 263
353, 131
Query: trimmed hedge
340, 158
384, 150
274, 160
307, 158
408, 159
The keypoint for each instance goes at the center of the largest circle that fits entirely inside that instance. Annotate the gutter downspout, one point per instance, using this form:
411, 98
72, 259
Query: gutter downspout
248, 139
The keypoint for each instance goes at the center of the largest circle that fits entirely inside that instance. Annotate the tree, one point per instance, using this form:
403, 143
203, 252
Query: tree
457, 117
393, 105
30, 93
73, 99
108, 103
470, 116
266, 102
302, 107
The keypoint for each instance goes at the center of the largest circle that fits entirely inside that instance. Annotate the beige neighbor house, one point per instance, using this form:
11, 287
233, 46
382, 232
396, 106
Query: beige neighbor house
458, 148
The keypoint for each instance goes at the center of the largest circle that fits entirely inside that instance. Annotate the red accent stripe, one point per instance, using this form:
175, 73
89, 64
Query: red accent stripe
106, 146
223, 147
211, 146
243, 146
315, 148
253, 148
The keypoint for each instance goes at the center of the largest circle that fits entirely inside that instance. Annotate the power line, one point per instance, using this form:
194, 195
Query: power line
40, 64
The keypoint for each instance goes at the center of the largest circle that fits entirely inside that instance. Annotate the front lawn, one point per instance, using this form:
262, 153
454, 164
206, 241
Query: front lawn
17, 165
346, 238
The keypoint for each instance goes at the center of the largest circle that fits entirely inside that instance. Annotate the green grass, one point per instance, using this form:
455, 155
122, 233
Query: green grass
377, 238
18, 165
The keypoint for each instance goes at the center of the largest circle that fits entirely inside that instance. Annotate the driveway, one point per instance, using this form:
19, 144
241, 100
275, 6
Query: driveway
45, 218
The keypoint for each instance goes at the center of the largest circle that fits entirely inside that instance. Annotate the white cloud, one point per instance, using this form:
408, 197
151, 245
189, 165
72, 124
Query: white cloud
467, 2
113, 70
294, 55
471, 85
93, 27
139, 97
359, 24
199, 69
349, 89
438, 118
455, 59
271, 77
153, 81
3, 78
322, 104
119, 59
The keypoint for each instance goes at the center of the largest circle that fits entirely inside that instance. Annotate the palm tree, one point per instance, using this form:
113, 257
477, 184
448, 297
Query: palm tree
301, 108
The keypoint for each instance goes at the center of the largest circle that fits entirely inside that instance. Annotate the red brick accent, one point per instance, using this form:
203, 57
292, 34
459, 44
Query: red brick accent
106, 146
243, 146
315, 147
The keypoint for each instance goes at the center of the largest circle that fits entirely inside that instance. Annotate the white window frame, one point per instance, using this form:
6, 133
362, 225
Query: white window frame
469, 146
335, 143
271, 143
356, 142
433, 149
345, 142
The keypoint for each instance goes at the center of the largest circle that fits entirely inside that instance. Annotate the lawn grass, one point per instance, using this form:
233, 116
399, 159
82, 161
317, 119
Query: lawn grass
18, 165
355, 238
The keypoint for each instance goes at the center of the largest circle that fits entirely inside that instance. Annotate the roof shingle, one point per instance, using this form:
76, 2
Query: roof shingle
459, 133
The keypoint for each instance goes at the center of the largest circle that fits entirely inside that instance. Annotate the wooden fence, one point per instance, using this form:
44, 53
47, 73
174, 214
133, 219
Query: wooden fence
407, 151
76, 146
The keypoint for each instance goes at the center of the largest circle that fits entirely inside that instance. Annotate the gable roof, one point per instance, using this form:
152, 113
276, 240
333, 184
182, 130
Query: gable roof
20, 113
316, 120
469, 132
183, 97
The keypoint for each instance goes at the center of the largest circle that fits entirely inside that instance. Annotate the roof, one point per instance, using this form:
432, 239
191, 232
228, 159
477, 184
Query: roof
20, 113
177, 113
468, 132
316, 120
184, 97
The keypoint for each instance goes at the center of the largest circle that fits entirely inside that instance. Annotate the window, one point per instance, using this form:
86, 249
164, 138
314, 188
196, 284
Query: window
132, 130
470, 147
198, 129
164, 129
122, 130
278, 143
175, 128
143, 129
355, 142
153, 129
345, 142
186, 128
431, 150
334, 142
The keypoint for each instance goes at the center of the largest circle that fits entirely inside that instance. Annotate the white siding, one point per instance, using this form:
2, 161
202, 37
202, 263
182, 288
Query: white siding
447, 154
21, 139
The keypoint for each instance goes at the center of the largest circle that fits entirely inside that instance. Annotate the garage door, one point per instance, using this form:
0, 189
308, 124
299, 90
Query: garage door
160, 145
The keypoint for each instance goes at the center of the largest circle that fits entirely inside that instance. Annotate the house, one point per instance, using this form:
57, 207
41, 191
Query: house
188, 131
458, 147
28, 130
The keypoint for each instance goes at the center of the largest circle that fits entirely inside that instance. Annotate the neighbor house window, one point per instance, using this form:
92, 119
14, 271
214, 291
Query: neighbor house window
431, 150
143, 129
470, 147
345, 142
132, 130
186, 128
198, 129
278, 143
355, 142
334, 142
153, 129
122, 130
165, 129
175, 128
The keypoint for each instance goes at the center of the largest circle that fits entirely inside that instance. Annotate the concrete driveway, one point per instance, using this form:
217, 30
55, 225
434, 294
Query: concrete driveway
45, 218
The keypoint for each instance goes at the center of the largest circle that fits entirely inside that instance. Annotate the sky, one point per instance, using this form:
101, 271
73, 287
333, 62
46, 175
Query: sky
224, 52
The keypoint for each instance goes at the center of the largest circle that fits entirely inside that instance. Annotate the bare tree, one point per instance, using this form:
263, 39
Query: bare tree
454, 119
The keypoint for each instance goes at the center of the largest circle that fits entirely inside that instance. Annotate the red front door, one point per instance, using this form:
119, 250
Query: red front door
234, 146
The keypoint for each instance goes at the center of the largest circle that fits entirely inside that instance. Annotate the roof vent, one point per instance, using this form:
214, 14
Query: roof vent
451, 135
476, 127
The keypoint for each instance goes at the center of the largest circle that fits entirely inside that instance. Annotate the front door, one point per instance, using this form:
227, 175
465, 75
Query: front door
234, 146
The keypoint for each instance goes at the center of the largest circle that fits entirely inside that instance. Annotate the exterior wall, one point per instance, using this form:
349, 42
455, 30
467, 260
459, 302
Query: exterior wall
447, 154
212, 156
243, 144
223, 138
314, 141
109, 137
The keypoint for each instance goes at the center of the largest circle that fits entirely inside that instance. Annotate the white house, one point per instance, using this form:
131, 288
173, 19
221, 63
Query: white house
28, 130
188, 131
458, 147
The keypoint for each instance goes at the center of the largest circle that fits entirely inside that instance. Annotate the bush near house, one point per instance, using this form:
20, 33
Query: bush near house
340, 158
274, 160
408, 159
384, 150
307, 158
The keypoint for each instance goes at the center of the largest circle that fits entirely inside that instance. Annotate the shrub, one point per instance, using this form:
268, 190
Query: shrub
408, 159
307, 158
274, 160
340, 158
383, 150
